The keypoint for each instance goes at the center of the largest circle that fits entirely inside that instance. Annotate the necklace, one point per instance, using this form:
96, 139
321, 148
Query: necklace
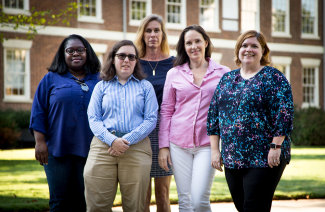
78, 78
153, 69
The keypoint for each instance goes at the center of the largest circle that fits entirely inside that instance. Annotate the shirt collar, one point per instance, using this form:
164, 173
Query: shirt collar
88, 76
130, 78
211, 68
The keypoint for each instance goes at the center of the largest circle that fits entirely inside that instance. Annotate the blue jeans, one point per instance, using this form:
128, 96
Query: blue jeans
66, 183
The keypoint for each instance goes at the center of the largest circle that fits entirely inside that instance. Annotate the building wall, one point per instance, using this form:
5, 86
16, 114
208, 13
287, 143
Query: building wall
44, 46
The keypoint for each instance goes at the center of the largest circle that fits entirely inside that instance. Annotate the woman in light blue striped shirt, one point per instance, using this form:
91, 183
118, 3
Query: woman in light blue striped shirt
122, 112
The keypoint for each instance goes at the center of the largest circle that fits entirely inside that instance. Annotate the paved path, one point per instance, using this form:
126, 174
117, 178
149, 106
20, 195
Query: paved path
304, 205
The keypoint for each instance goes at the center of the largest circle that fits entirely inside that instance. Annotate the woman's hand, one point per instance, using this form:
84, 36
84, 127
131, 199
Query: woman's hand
216, 160
164, 158
119, 146
41, 150
274, 157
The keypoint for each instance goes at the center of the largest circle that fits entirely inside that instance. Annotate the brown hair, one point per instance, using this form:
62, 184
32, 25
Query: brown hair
109, 70
182, 56
265, 60
139, 41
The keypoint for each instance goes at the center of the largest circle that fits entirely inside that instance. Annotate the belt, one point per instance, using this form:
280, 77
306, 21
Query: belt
118, 134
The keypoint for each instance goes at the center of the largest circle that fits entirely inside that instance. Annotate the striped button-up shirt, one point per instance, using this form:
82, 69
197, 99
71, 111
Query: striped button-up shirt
130, 108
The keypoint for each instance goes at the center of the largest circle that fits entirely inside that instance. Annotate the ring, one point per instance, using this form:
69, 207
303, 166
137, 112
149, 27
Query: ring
274, 161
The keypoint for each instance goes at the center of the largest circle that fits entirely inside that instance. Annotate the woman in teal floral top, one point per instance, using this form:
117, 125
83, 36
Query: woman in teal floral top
252, 113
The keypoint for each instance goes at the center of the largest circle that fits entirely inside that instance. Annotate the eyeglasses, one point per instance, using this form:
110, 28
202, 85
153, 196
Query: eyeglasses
122, 56
83, 85
79, 50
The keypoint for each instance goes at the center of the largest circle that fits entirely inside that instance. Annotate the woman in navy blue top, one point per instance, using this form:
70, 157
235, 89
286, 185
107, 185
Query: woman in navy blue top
252, 113
151, 41
59, 121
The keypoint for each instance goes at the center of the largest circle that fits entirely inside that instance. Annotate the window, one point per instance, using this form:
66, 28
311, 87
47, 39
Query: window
175, 14
309, 18
209, 15
139, 9
230, 15
16, 70
310, 82
280, 18
90, 11
16, 7
100, 50
250, 16
282, 64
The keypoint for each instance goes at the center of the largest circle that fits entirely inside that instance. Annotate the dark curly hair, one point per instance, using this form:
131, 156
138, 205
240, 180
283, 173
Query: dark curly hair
109, 70
59, 65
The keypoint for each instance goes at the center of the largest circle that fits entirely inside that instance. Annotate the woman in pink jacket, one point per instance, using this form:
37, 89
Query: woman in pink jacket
183, 139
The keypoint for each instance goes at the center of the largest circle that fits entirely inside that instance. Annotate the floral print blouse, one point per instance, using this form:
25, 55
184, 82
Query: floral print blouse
248, 113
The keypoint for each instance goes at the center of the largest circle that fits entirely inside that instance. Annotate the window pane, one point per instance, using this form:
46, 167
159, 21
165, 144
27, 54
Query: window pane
248, 15
308, 16
15, 72
139, 10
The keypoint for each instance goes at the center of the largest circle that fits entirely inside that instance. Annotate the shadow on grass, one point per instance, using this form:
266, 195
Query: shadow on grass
308, 157
16, 167
19, 204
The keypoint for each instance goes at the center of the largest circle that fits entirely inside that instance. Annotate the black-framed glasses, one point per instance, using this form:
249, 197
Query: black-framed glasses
83, 85
122, 56
79, 50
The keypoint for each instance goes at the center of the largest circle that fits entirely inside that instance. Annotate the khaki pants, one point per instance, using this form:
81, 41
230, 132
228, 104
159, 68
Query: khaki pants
103, 171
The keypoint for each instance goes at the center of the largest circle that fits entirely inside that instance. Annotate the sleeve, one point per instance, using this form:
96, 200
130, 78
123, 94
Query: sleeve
280, 104
167, 110
95, 116
39, 113
213, 113
150, 116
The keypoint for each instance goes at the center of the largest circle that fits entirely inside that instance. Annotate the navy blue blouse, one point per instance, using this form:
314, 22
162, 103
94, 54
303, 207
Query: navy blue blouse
59, 111
158, 81
248, 113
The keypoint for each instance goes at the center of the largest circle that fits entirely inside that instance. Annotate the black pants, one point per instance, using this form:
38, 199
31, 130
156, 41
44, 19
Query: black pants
252, 189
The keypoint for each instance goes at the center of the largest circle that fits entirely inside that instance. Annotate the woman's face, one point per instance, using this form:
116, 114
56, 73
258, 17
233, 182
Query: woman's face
124, 68
153, 34
195, 45
75, 61
250, 52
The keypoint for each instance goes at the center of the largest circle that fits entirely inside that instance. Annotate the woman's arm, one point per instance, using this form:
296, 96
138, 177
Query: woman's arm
41, 150
216, 159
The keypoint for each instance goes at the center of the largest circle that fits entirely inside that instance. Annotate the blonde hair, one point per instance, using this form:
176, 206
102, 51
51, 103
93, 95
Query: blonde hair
139, 41
265, 60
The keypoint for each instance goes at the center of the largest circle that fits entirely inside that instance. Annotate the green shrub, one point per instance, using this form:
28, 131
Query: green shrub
10, 124
309, 127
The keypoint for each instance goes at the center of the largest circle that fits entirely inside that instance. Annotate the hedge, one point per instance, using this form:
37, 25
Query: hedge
308, 127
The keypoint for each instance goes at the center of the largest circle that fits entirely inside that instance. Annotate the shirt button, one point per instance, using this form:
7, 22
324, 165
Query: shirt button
198, 100
82, 97
193, 122
121, 121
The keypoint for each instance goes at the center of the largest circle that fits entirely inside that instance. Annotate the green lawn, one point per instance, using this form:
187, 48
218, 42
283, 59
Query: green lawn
23, 185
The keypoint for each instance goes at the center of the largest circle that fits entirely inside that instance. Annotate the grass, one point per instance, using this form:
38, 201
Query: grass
23, 185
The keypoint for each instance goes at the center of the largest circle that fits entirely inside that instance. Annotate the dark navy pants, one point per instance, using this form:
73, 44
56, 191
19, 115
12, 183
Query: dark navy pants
252, 189
66, 183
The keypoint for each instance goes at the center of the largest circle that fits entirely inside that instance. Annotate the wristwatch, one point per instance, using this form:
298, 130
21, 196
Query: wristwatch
274, 146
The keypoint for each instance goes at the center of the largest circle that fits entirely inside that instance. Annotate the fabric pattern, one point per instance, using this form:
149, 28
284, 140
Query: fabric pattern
130, 108
248, 113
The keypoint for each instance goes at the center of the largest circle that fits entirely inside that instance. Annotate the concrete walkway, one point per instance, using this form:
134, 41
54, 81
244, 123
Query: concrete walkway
303, 205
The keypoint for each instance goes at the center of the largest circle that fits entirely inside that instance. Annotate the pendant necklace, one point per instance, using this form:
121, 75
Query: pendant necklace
153, 69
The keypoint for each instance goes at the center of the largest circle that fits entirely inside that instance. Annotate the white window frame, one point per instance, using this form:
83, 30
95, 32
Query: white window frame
283, 61
315, 35
286, 32
257, 18
216, 27
16, 44
100, 49
148, 12
24, 11
180, 26
92, 19
230, 16
311, 63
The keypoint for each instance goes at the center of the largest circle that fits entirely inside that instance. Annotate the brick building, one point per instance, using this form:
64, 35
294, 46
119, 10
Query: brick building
294, 30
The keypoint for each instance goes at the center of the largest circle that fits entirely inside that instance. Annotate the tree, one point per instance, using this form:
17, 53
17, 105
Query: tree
36, 20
